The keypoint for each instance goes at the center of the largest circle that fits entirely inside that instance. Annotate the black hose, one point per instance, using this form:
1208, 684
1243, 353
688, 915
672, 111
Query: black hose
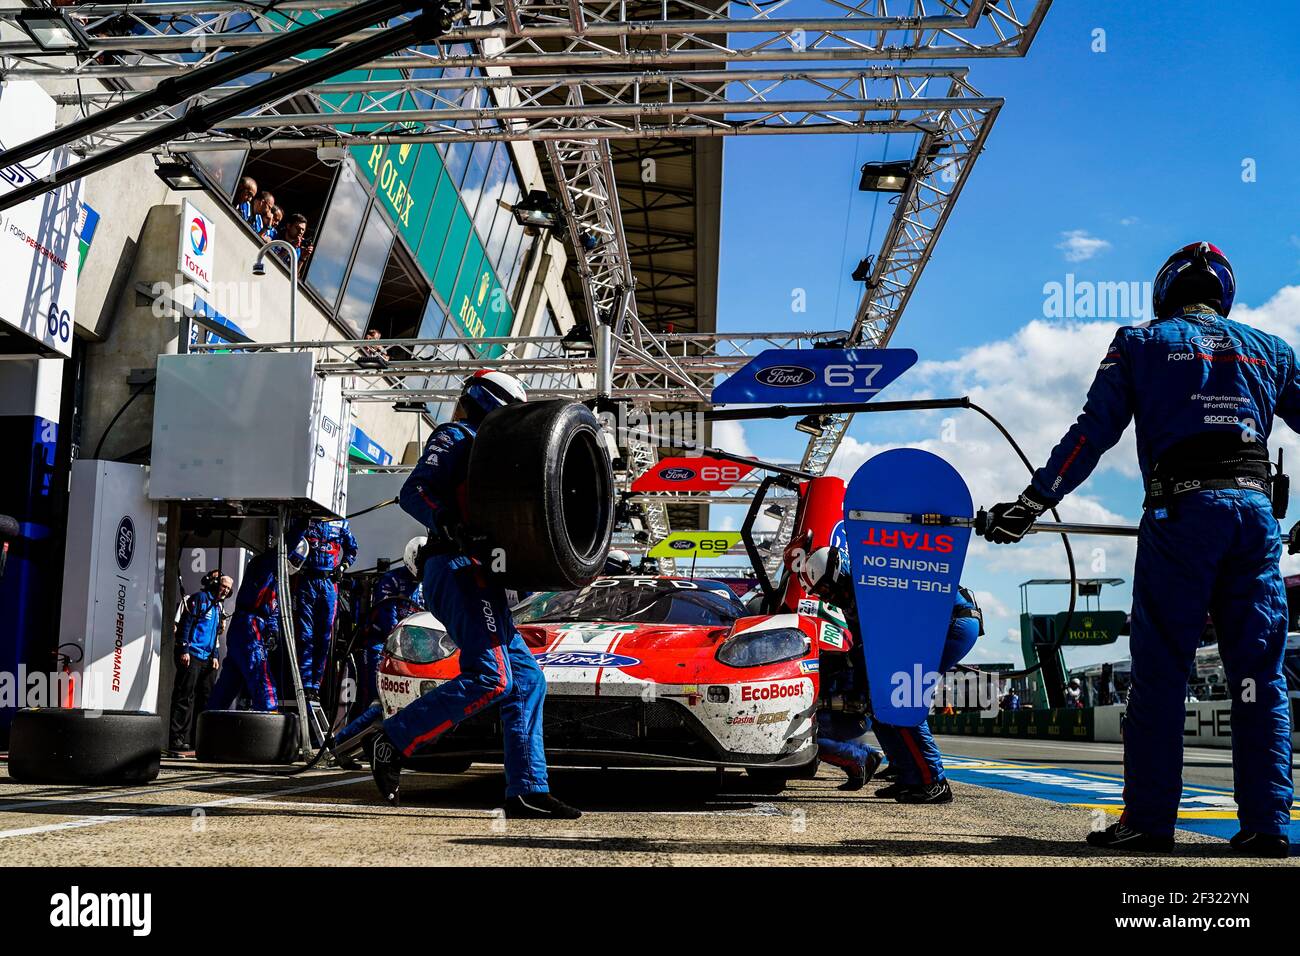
120, 412
1069, 557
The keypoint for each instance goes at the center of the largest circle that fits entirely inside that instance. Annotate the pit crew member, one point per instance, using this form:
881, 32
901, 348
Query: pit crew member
1204, 391
249, 639
397, 596
497, 668
196, 656
332, 549
912, 751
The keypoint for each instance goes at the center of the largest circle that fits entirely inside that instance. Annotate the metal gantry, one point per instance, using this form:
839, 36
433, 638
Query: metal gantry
156, 40
576, 75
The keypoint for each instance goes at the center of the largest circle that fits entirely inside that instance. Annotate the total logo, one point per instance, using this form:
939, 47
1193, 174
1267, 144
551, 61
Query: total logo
198, 236
785, 376
776, 690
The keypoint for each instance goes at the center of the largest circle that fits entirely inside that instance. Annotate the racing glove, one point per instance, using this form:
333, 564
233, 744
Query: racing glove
1010, 521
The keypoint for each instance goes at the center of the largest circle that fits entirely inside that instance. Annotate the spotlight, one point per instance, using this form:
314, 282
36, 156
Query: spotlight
537, 210
176, 175
892, 177
813, 425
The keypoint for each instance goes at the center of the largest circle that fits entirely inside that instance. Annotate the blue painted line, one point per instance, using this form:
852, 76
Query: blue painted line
1208, 810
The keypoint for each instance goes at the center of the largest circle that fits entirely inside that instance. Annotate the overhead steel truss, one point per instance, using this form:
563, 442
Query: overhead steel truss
576, 114
164, 39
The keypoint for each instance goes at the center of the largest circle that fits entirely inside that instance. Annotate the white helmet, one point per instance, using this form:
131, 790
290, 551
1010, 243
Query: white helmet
819, 569
409, 552
487, 390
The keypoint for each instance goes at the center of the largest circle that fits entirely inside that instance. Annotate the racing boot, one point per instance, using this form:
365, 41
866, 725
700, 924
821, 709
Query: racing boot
1266, 846
890, 792
889, 773
539, 806
1120, 836
386, 768
353, 739
935, 793
860, 774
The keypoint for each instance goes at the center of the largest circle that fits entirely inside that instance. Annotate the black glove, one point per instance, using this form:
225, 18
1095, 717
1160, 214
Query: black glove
1011, 520
1293, 546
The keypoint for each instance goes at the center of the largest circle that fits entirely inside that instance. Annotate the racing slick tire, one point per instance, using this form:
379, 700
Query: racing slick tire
56, 745
541, 487
246, 737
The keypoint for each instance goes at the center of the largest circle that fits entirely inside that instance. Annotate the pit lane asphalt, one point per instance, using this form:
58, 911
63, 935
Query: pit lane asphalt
205, 815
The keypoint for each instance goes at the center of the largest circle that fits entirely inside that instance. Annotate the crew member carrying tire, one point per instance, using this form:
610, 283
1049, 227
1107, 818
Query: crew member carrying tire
332, 549
1204, 391
497, 668
912, 751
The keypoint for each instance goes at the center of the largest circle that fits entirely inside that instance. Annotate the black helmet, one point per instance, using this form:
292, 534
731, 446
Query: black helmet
1197, 273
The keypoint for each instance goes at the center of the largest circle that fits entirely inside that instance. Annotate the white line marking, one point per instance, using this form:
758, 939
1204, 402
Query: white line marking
94, 821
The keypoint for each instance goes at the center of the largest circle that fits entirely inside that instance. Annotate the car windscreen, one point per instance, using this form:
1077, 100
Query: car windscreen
635, 601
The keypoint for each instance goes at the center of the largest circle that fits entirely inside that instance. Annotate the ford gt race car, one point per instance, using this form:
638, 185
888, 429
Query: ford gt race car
642, 671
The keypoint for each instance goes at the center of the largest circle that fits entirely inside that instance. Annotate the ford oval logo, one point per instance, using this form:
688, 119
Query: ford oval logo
124, 546
785, 376
681, 545
584, 659
1214, 343
677, 474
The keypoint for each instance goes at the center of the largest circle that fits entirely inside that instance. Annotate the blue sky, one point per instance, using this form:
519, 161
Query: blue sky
1100, 164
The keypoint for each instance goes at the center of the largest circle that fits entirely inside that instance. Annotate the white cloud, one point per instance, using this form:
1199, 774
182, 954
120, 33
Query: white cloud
730, 436
1079, 246
1129, 221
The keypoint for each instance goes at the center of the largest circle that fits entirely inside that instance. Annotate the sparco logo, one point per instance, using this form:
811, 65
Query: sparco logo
677, 474
785, 376
584, 659
1214, 343
772, 691
124, 546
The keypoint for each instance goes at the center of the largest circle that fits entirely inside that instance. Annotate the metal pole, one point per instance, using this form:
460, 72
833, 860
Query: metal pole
293, 279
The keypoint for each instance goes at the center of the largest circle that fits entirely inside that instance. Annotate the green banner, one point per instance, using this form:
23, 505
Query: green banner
1089, 628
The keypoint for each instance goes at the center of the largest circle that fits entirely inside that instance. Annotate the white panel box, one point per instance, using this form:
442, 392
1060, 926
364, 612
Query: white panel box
112, 571
383, 533
250, 427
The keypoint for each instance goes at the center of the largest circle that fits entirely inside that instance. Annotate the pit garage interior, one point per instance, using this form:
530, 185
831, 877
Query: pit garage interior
618, 115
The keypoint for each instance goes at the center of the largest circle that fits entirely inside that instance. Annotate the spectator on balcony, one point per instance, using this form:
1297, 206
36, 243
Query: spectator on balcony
273, 223
295, 233
262, 207
244, 197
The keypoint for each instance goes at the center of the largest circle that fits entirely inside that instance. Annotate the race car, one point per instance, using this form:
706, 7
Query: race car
668, 671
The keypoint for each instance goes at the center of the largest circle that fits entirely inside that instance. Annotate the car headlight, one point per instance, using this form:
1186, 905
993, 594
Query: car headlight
755, 648
419, 645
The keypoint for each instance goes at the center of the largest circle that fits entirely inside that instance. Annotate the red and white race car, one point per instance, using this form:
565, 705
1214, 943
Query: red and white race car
642, 671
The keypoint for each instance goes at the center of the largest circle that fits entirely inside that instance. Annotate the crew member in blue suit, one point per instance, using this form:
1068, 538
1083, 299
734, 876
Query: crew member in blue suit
331, 550
912, 751
196, 656
1204, 391
397, 596
497, 667
249, 639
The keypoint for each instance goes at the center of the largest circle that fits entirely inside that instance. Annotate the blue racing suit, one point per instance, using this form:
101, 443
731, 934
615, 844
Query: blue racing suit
1204, 391
396, 597
496, 666
255, 623
315, 599
913, 749
839, 733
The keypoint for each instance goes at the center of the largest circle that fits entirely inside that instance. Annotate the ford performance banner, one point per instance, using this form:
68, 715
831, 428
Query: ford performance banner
905, 575
813, 376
